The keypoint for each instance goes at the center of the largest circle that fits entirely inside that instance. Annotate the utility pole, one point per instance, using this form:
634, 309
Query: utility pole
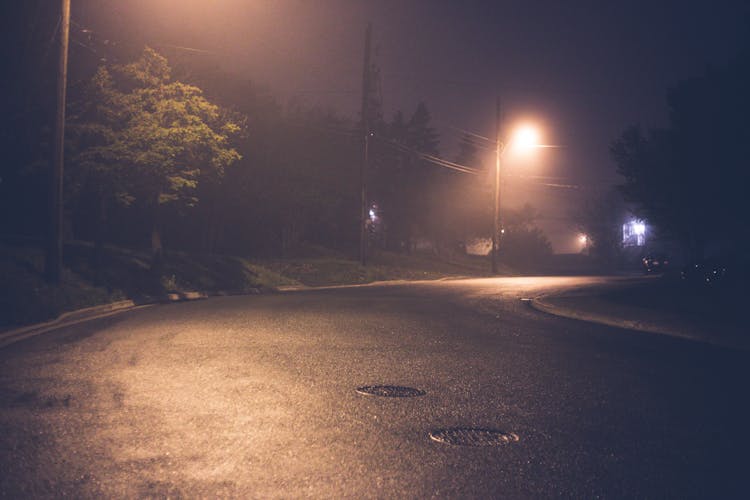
364, 167
53, 260
496, 218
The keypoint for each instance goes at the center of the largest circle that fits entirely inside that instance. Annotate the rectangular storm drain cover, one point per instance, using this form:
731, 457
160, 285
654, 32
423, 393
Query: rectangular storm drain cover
468, 436
390, 391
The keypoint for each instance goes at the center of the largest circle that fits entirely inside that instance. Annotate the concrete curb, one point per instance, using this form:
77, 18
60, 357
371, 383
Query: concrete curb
306, 288
542, 304
66, 319
70, 318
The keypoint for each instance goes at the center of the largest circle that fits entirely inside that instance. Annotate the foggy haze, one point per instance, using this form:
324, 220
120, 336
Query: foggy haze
583, 70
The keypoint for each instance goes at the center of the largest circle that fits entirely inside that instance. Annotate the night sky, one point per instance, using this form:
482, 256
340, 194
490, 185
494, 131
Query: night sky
582, 70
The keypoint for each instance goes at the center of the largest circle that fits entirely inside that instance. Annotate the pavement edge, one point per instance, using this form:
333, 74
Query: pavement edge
70, 318
542, 304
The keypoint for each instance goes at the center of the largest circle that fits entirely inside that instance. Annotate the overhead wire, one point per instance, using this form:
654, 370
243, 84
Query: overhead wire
470, 133
430, 158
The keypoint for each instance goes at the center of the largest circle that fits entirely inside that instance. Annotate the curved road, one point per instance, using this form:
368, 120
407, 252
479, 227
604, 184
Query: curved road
254, 396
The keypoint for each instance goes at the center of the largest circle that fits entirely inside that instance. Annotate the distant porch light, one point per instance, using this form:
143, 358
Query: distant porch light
634, 233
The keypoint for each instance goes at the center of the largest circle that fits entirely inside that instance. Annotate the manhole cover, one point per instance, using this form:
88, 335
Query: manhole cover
467, 436
390, 391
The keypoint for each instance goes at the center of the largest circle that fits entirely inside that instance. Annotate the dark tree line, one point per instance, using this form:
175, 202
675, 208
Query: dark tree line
182, 155
690, 178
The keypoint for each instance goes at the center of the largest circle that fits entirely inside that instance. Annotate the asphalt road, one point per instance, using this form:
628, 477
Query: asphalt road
255, 397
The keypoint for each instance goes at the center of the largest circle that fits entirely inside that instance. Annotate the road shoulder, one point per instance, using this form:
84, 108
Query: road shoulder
594, 306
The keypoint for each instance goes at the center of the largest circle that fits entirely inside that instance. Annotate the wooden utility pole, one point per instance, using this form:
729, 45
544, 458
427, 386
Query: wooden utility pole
496, 218
364, 167
53, 260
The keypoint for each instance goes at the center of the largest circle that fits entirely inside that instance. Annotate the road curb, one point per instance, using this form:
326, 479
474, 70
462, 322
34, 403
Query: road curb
543, 304
70, 318
67, 319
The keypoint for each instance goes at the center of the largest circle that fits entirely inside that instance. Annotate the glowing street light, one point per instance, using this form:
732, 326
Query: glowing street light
523, 139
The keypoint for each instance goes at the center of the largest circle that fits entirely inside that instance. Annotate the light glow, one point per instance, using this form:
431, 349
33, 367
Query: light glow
525, 138
634, 233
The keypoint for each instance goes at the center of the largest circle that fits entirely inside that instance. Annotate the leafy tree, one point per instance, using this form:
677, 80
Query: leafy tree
309, 190
404, 182
472, 194
523, 244
420, 134
688, 178
600, 219
149, 140
389, 172
94, 166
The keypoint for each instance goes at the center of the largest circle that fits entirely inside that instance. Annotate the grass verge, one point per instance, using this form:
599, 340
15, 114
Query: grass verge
125, 274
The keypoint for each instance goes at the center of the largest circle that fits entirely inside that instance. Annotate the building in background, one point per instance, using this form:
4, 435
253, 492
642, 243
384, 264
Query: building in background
634, 233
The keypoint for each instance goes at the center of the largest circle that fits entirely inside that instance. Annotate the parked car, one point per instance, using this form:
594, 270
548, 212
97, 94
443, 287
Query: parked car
656, 263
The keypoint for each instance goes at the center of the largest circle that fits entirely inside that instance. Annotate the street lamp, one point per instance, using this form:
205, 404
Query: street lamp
523, 139
583, 240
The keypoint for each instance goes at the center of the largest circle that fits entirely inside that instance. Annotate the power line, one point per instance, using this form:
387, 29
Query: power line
470, 133
430, 158
186, 49
562, 186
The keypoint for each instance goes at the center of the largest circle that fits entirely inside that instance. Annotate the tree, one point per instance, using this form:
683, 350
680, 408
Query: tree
146, 139
404, 182
309, 184
600, 219
689, 178
95, 166
297, 182
472, 196
420, 134
523, 244
389, 172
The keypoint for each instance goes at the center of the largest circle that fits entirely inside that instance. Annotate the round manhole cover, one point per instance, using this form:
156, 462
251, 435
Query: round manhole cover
467, 436
390, 391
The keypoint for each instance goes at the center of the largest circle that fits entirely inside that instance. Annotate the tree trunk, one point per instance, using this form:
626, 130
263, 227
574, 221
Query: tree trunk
208, 229
157, 251
101, 224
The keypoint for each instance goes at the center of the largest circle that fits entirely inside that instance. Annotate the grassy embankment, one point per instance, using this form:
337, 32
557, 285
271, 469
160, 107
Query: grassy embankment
26, 298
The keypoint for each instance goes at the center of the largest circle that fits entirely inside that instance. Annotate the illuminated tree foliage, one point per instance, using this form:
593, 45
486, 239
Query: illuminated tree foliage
142, 138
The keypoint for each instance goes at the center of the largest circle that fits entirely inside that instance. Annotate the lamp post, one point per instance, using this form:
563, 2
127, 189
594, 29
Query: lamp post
524, 138
496, 209
53, 259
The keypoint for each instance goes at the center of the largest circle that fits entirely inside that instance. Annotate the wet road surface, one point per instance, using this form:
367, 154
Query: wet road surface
255, 397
